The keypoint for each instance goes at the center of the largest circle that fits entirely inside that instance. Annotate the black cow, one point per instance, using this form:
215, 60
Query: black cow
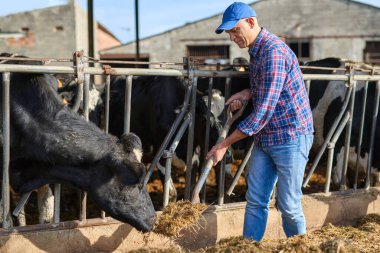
51, 144
326, 99
156, 101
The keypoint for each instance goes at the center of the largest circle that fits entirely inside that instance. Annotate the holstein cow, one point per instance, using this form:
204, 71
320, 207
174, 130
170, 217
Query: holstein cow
156, 101
51, 144
326, 99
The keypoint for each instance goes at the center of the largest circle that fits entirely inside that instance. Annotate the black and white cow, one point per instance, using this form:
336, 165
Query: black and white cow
326, 99
51, 144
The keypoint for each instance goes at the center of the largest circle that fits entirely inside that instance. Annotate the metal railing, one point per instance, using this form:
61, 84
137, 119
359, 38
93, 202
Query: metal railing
183, 121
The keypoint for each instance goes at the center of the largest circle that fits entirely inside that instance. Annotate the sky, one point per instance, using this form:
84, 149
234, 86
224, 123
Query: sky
156, 16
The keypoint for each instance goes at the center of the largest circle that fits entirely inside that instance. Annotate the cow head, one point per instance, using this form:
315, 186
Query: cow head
123, 196
119, 190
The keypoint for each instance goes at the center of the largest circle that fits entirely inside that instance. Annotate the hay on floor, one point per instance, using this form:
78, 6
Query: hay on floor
178, 216
364, 238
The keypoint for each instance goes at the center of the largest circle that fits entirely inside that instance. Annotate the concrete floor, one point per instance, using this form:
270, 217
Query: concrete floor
108, 235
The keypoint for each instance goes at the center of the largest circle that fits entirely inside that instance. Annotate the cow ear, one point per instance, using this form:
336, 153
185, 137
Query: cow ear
132, 143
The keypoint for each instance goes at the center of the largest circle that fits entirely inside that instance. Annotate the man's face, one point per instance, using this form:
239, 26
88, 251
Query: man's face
240, 34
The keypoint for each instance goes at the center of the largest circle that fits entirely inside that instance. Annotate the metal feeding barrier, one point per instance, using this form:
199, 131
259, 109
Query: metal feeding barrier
184, 121
208, 164
82, 74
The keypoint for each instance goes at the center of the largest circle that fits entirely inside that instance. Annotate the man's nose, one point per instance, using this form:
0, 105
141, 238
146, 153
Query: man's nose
232, 37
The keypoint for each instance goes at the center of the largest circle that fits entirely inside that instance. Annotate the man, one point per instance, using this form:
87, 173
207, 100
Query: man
280, 123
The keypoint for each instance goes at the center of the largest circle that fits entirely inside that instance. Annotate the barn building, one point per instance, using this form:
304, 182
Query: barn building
53, 32
313, 29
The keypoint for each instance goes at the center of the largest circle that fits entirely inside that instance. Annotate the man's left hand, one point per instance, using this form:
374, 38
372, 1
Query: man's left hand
216, 153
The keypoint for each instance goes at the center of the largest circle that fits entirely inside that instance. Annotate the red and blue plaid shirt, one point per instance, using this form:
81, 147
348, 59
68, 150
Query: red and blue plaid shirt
281, 109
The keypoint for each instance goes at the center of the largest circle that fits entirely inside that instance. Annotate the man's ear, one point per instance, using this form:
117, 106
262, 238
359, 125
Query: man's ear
251, 22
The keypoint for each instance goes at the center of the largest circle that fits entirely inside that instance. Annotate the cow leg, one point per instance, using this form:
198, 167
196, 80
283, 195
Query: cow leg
45, 204
172, 190
352, 156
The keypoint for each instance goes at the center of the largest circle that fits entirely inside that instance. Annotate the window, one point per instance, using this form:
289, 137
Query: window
301, 48
371, 52
209, 54
59, 28
25, 29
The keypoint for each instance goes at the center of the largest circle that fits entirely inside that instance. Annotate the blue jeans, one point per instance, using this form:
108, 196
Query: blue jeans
283, 163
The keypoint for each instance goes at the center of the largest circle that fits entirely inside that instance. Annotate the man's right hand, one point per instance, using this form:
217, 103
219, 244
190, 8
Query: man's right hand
235, 101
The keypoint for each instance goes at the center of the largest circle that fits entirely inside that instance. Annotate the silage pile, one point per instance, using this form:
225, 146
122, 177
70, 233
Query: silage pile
329, 239
178, 216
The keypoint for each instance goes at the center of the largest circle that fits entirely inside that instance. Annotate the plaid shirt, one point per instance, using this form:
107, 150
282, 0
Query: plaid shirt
281, 109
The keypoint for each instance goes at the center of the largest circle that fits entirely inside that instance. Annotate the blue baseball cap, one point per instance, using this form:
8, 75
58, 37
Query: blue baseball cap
233, 14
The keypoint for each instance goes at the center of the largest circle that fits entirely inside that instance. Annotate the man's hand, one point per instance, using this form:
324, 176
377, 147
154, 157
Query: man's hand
235, 101
217, 152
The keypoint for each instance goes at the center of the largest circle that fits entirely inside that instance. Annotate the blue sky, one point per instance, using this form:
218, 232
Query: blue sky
155, 15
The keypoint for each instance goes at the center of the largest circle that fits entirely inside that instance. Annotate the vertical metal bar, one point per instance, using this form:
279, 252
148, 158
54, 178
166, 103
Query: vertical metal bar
168, 172
240, 170
83, 195
222, 176
86, 96
127, 104
90, 23
222, 171
6, 150
168, 154
190, 137
329, 168
308, 87
137, 29
106, 117
57, 202
207, 140
82, 205
107, 104
359, 147
373, 131
348, 139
